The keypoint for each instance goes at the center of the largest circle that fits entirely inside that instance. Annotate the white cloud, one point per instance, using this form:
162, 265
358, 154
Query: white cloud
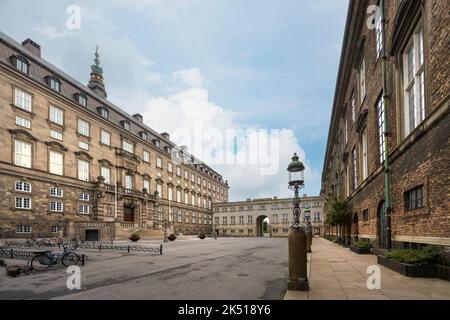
190, 77
188, 115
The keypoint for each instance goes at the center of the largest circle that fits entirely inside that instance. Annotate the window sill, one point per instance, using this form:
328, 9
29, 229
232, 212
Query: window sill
17, 108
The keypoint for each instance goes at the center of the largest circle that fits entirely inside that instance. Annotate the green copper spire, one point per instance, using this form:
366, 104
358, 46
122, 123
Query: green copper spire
96, 83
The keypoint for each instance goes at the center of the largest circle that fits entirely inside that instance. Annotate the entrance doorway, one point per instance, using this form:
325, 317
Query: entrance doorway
92, 235
355, 228
382, 225
263, 228
128, 213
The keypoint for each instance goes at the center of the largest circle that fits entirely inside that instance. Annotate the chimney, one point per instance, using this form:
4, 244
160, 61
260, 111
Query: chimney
32, 46
138, 117
165, 135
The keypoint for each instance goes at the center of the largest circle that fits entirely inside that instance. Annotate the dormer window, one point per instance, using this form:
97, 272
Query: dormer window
21, 64
103, 111
81, 99
125, 125
54, 83
157, 143
143, 135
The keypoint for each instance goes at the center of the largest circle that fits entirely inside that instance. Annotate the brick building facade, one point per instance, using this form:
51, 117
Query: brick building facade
414, 39
64, 147
245, 218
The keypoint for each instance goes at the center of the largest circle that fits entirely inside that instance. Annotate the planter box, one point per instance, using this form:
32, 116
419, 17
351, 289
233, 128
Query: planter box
409, 270
360, 250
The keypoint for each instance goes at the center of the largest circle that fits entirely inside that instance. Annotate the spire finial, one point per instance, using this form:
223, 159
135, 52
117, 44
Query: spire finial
96, 82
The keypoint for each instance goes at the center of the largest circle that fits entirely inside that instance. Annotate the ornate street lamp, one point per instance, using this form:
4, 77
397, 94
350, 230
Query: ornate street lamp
297, 245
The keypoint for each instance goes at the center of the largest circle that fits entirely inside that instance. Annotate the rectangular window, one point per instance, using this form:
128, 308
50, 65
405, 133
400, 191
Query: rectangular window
193, 199
23, 229
55, 85
56, 135
159, 190
21, 65
414, 198
106, 173
83, 145
414, 81
23, 203
364, 156
127, 146
170, 193
285, 217
56, 115
362, 81
224, 220
241, 219
381, 136
83, 127
22, 100
83, 170
56, 192
146, 156
56, 163
128, 182
186, 197
105, 137
23, 186
147, 185
347, 181
23, 122
378, 33
316, 216
355, 168
57, 228
250, 219
186, 175
233, 220
199, 201
104, 113
179, 171
169, 167
22, 154
56, 206
353, 103
275, 218
83, 209
366, 215
159, 162
179, 196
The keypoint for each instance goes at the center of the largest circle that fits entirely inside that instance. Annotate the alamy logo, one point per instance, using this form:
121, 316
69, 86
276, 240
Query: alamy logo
74, 280
74, 20
375, 12
374, 280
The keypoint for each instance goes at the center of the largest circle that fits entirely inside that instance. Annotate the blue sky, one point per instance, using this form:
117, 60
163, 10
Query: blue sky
268, 64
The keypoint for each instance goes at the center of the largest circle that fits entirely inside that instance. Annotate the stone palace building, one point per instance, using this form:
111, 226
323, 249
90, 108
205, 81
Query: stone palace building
388, 150
73, 162
246, 218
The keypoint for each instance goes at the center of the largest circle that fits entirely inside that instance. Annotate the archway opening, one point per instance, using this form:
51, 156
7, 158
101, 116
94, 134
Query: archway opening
263, 227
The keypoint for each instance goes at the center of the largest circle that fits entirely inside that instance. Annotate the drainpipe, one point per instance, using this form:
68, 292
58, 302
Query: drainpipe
386, 128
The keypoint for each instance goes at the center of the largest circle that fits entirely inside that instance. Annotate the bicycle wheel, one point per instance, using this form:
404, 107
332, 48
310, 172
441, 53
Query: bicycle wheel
41, 262
70, 259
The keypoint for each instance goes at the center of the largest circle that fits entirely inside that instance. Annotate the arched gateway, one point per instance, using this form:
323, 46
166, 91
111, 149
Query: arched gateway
263, 228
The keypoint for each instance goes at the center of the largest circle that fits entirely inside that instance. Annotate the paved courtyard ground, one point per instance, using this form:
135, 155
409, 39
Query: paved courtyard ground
337, 273
226, 268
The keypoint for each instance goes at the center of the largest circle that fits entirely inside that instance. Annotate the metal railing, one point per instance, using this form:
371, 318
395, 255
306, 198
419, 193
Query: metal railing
128, 249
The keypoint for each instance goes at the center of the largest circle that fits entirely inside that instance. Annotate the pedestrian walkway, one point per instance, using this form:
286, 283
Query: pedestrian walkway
337, 273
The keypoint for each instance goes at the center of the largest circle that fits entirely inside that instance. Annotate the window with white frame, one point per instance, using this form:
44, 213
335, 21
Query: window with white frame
22, 100
104, 113
353, 104
146, 156
414, 81
83, 209
250, 219
22, 153
83, 127
57, 228
193, 178
159, 162
105, 172
83, 170
23, 186
21, 64
362, 81
169, 167
83, 196
186, 197
178, 196
56, 115
364, 155
82, 100
378, 33
285, 217
186, 175
128, 182
23, 229
54, 84
199, 201
355, 168
20, 121
105, 137
193, 199
347, 181
381, 132
56, 206
56, 135
159, 190
56, 192
83, 145
127, 146
179, 171
146, 185
23, 203
170, 193
56, 163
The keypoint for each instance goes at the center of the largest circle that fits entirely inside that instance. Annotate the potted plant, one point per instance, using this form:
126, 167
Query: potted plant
172, 237
202, 236
361, 247
135, 237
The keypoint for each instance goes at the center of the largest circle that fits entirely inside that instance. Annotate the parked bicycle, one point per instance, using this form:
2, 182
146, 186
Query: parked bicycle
46, 259
36, 243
